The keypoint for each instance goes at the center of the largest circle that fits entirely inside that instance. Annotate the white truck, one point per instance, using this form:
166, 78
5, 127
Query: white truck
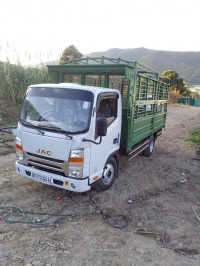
69, 135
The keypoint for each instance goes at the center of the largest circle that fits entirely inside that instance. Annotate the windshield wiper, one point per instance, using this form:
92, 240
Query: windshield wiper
54, 128
26, 123
57, 129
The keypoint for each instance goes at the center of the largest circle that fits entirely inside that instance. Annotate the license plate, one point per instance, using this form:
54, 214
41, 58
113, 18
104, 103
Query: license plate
41, 178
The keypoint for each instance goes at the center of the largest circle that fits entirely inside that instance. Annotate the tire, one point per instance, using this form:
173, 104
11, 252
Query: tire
108, 177
149, 150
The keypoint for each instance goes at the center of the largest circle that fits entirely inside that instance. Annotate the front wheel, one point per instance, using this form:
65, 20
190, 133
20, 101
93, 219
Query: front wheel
109, 175
149, 150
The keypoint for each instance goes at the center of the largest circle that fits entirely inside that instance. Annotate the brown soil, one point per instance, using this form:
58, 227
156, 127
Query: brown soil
149, 217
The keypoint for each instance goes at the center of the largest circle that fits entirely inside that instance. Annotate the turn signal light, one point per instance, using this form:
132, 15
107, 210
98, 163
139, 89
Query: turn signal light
75, 160
19, 147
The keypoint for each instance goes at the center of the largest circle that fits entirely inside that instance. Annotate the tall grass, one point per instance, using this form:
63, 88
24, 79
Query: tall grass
14, 79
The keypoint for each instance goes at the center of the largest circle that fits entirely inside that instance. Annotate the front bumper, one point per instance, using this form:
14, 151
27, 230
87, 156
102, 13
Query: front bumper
77, 185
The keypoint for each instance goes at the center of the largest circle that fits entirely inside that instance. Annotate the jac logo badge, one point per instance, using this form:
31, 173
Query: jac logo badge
43, 152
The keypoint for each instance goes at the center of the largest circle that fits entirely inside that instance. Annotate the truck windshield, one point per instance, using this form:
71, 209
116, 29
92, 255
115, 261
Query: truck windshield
66, 109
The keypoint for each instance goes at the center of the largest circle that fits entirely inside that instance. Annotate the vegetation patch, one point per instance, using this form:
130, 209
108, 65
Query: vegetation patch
9, 122
14, 80
195, 136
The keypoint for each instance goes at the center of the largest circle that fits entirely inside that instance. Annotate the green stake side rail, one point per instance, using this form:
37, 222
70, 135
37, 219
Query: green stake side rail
144, 92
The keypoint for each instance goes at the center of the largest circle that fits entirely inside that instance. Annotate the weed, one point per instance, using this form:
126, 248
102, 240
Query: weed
195, 136
9, 122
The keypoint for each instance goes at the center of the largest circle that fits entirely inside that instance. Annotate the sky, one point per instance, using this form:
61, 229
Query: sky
33, 31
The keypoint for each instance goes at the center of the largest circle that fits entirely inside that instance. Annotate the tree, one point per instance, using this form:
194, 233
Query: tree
69, 54
177, 84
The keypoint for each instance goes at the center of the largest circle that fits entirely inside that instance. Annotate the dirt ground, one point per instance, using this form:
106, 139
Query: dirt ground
150, 216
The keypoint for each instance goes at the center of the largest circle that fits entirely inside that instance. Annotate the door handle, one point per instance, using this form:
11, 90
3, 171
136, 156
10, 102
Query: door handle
115, 141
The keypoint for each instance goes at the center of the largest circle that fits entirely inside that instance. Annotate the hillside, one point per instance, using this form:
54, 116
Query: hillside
187, 64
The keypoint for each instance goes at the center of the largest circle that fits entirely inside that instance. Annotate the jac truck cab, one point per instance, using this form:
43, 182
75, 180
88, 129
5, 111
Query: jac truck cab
70, 132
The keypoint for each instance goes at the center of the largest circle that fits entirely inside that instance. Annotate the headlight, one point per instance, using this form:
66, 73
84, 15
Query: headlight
19, 150
76, 164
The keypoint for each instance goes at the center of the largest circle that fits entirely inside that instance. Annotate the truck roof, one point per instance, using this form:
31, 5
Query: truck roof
74, 86
108, 68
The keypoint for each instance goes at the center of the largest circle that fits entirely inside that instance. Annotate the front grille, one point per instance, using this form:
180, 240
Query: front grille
51, 165
46, 158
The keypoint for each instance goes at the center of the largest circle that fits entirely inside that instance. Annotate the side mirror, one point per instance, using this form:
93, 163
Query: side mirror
101, 126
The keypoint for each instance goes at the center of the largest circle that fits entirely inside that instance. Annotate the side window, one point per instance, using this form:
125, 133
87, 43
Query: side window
108, 109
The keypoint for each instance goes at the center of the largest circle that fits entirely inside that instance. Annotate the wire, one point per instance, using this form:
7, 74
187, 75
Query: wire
115, 221
9, 214
11, 211
198, 159
13, 215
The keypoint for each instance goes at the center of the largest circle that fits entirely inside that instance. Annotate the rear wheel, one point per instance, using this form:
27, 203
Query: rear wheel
109, 175
149, 150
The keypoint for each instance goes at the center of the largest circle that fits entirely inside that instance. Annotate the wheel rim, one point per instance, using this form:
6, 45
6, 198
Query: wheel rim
108, 174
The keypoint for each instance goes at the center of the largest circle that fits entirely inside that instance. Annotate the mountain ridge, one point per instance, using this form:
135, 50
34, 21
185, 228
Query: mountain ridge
186, 64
